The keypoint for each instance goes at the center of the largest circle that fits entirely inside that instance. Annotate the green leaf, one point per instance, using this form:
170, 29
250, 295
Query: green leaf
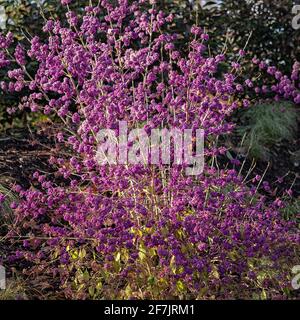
180, 286
263, 295
91, 291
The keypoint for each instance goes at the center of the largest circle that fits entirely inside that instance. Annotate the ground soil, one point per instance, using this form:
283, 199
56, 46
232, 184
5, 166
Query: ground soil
23, 152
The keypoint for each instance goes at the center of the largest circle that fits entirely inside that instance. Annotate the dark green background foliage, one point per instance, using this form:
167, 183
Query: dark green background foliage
269, 21
232, 22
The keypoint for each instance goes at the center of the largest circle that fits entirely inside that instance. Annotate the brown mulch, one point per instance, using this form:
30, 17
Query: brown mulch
23, 152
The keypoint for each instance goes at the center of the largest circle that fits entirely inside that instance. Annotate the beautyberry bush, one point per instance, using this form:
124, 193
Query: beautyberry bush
95, 231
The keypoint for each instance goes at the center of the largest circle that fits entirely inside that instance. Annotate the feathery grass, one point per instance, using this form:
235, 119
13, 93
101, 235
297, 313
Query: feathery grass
265, 125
